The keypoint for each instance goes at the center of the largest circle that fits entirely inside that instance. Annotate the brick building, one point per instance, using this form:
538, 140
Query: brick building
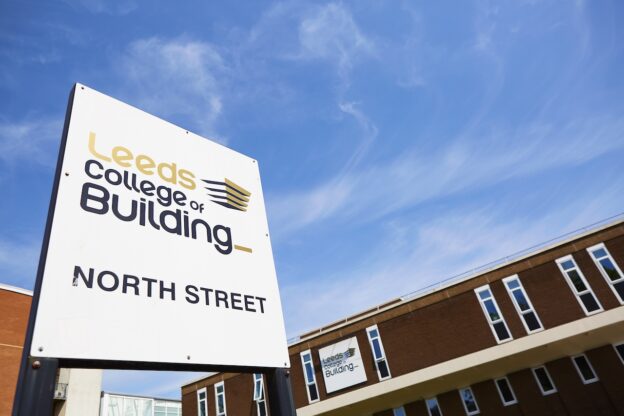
542, 334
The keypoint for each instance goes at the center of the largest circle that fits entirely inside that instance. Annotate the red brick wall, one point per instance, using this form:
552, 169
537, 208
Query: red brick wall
14, 310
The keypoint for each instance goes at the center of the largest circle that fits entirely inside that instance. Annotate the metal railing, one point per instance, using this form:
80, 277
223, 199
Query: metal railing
511, 258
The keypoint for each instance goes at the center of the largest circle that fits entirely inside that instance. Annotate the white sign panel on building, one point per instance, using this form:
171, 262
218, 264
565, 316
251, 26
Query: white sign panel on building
342, 365
159, 249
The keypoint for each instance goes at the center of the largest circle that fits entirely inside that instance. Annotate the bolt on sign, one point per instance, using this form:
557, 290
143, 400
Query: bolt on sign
159, 247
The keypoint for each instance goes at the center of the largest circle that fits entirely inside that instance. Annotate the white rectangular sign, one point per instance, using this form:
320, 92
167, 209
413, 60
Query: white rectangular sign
342, 365
159, 249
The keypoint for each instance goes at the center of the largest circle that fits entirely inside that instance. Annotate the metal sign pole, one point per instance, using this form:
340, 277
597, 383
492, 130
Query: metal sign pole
37, 388
281, 401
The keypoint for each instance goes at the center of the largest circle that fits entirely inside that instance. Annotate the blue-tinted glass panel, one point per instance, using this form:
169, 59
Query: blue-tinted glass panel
484, 294
523, 303
376, 348
567, 265
610, 269
491, 309
469, 400
513, 284
599, 253
309, 372
576, 280
433, 407
373, 333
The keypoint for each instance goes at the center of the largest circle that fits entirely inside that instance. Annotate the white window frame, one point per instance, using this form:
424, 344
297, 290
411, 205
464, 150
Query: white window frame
487, 315
474, 398
539, 384
578, 370
578, 295
205, 391
381, 348
305, 376
435, 399
621, 357
216, 386
259, 399
521, 313
500, 393
396, 409
603, 272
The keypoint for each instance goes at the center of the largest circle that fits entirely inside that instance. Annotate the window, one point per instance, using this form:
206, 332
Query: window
523, 304
202, 405
579, 285
259, 394
220, 399
609, 269
506, 392
310, 378
619, 349
378, 352
469, 401
544, 381
399, 411
433, 407
166, 408
492, 313
584, 368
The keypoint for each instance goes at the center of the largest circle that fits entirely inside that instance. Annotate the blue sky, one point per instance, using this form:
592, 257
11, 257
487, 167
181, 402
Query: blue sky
399, 142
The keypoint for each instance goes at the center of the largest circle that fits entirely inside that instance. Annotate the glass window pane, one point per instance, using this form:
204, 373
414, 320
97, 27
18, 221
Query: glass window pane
377, 348
576, 280
220, 405
584, 367
523, 304
492, 311
620, 351
619, 288
373, 333
610, 269
485, 294
531, 321
501, 331
505, 390
383, 369
309, 372
469, 400
567, 265
513, 284
306, 357
599, 253
590, 302
262, 409
313, 392
399, 411
433, 407
544, 380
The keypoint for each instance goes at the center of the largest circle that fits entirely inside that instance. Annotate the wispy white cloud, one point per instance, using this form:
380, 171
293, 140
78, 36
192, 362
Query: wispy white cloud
31, 141
18, 261
415, 253
330, 33
467, 163
176, 77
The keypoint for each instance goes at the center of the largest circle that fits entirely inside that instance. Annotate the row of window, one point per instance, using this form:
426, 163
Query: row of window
508, 397
220, 407
575, 279
381, 364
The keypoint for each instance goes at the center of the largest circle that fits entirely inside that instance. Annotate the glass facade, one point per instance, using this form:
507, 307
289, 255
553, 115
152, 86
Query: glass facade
117, 405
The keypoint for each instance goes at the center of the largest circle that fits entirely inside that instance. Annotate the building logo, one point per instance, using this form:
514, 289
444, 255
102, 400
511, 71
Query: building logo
228, 194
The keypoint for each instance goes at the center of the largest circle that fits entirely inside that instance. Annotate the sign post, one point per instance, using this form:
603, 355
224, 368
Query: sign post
151, 230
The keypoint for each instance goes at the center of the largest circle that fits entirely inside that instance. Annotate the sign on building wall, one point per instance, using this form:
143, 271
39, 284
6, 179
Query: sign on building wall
342, 365
159, 249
